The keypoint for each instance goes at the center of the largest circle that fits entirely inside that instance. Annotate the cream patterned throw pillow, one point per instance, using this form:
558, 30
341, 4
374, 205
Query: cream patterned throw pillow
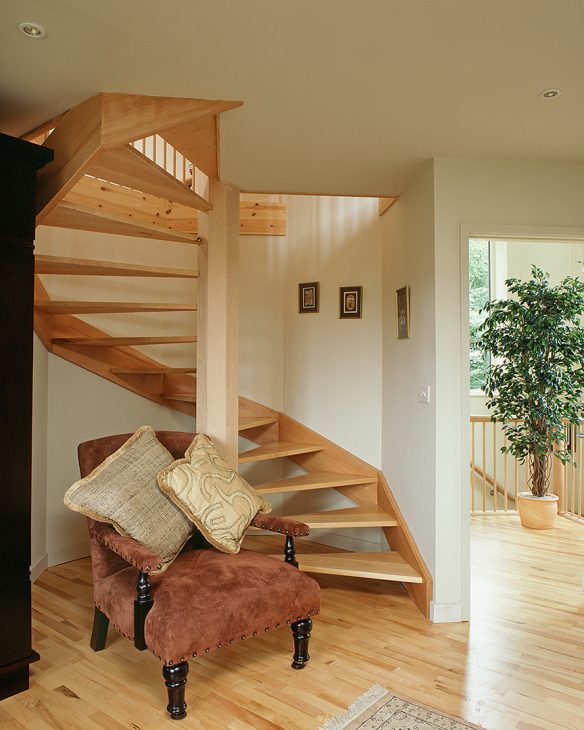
213, 496
123, 492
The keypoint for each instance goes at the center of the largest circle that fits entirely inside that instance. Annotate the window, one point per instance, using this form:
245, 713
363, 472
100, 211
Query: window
479, 275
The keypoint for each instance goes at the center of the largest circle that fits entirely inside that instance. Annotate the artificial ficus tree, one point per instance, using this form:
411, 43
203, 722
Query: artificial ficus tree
535, 380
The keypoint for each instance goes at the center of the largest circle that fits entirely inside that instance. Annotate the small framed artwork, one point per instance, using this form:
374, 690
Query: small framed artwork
308, 296
351, 302
403, 312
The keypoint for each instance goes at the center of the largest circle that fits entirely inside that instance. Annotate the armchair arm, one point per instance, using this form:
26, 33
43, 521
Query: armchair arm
284, 525
127, 548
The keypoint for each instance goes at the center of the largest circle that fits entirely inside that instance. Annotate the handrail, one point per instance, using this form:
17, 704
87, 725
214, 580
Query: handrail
500, 488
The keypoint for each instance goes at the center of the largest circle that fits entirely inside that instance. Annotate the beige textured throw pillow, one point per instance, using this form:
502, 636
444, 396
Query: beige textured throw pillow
123, 492
213, 496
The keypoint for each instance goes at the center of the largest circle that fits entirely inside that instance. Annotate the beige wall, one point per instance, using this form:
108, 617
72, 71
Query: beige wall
38, 521
83, 406
409, 427
332, 367
482, 198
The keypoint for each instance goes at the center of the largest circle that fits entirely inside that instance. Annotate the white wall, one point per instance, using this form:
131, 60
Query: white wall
83, 406
409, 427
483, 198
332, 366
38, 522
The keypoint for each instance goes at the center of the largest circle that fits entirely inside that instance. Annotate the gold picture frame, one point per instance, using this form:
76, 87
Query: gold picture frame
402, 298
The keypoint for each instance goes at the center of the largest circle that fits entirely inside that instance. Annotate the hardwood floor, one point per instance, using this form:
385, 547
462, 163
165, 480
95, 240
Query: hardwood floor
519, 663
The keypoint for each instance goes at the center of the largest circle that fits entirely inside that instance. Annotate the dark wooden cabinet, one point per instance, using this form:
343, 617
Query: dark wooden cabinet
19, 162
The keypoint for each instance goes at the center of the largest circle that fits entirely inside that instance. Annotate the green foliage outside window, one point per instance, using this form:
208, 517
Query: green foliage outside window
479, 275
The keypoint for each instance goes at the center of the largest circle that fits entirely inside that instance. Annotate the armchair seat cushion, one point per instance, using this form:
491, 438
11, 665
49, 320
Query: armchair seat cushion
207, 600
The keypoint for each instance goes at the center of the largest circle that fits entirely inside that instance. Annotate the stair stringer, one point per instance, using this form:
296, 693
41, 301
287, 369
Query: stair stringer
337, 459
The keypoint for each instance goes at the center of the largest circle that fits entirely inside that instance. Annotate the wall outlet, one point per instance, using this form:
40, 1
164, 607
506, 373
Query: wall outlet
423, 394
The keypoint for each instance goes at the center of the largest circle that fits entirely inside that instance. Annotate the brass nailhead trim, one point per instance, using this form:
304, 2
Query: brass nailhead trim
194, 654
243, 638
207, 651
219, 645
231, 641
158, 566
266, 629
288, 621
277, 626
255, 633
148, 568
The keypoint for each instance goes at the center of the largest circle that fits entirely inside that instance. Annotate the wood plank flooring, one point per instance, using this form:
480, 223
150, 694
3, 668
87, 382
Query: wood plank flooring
519, 664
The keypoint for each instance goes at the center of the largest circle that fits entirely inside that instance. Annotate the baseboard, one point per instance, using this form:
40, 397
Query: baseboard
68, 553
39, 567
444, 613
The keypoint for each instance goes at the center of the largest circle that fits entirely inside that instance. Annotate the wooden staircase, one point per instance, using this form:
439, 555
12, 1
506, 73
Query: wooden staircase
124, 165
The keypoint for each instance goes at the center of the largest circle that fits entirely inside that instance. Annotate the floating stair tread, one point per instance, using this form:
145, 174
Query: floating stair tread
128, 166
86, 218
63, 307
277, 449
382, 566
45, 264
121, 341
248, 422
152, 371
314, 480
363, 516
184, 397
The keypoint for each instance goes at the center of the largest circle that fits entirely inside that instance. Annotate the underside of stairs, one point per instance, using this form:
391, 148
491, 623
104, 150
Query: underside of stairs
140, 166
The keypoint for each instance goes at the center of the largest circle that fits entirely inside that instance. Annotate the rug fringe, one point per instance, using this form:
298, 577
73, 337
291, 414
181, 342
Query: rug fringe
372, 695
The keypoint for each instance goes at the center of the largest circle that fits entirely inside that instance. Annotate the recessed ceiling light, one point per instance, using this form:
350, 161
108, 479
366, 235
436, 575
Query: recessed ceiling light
32, 30
550, 94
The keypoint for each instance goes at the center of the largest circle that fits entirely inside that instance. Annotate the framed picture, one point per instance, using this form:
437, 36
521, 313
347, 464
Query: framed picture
403, 312
308, 297
351, 302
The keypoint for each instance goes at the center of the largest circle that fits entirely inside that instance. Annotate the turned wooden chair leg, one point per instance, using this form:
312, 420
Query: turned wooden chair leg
290, 551
175, 678
301, 632
99, 632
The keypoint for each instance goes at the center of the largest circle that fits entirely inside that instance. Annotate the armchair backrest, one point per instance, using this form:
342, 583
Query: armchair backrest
92, 453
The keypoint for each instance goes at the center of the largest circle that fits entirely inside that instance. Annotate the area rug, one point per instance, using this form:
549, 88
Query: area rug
379, 709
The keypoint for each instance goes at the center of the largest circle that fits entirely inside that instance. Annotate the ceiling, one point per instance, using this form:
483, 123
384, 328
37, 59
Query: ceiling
340, 96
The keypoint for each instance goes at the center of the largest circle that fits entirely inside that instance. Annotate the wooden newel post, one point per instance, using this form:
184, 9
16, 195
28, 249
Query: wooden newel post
559, 486
218, 322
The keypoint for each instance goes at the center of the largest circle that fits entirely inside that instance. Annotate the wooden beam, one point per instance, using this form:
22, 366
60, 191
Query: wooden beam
127, 166
64, 265
76, 142
218, 322
43, 129
56, 307
162, 370
197, 141
386, 203
262, 219
122, 341
127, 117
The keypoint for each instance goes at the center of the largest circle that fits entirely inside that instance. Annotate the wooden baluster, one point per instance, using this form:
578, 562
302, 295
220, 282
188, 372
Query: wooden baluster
164, 154
473, 467
516, 476
484, 468
580, 484
506, 505
173, 162
494, 467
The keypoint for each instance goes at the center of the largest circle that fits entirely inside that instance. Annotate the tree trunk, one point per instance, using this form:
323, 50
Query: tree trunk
539, 473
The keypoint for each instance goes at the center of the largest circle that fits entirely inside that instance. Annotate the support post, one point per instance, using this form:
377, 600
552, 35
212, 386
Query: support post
142, 604
218, 322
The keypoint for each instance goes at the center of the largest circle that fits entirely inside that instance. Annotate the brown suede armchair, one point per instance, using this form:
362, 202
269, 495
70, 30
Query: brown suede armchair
205, 600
